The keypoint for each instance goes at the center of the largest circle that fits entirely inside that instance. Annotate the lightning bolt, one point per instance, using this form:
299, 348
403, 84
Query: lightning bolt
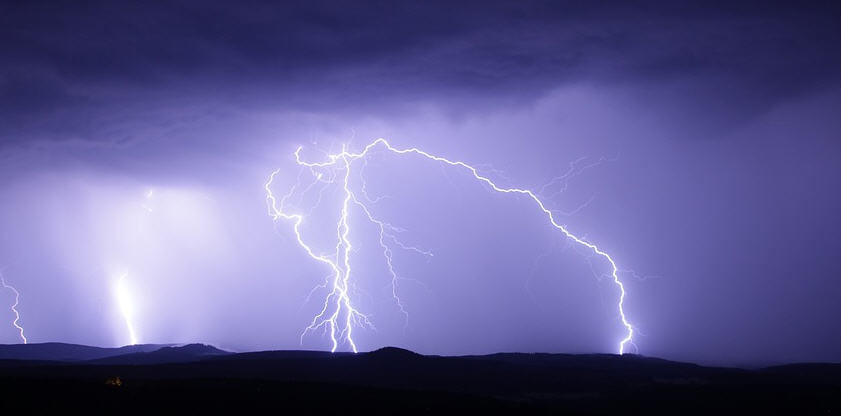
126, 307
338, 314
121, 289
15, 308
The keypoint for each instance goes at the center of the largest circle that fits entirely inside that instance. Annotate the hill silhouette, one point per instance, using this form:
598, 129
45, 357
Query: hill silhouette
58, 351
162, 355
199, 377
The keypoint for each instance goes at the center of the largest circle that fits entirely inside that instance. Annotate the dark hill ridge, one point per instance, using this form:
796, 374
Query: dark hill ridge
393, 380
394, 352
163, 355
59, 351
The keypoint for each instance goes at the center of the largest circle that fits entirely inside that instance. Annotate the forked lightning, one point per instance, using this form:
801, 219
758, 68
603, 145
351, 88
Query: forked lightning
339, 315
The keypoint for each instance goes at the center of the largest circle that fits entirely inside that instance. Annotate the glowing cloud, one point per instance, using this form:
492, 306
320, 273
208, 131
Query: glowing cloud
338, 314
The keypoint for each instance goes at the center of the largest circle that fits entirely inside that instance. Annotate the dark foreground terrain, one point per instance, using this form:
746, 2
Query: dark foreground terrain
195, 379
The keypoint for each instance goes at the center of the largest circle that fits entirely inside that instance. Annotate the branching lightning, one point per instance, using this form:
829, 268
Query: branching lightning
338, 314
14, 308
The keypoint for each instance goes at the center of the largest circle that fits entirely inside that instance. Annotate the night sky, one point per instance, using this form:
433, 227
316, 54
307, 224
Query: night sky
698, 144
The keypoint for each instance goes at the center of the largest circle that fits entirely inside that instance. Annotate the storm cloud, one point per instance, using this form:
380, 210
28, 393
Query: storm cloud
137, 137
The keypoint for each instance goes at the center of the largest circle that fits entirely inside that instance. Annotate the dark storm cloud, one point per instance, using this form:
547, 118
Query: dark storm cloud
68, 66
140, 135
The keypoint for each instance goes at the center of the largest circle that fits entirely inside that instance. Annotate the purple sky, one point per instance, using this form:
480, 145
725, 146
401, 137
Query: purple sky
137, 138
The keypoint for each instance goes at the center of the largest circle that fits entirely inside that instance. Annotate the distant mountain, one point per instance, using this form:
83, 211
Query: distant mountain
58, 351
164, 355
130, 354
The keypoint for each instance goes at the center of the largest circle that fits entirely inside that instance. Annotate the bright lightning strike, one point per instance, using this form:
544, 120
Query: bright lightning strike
338, 314
126, 306
15, 308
